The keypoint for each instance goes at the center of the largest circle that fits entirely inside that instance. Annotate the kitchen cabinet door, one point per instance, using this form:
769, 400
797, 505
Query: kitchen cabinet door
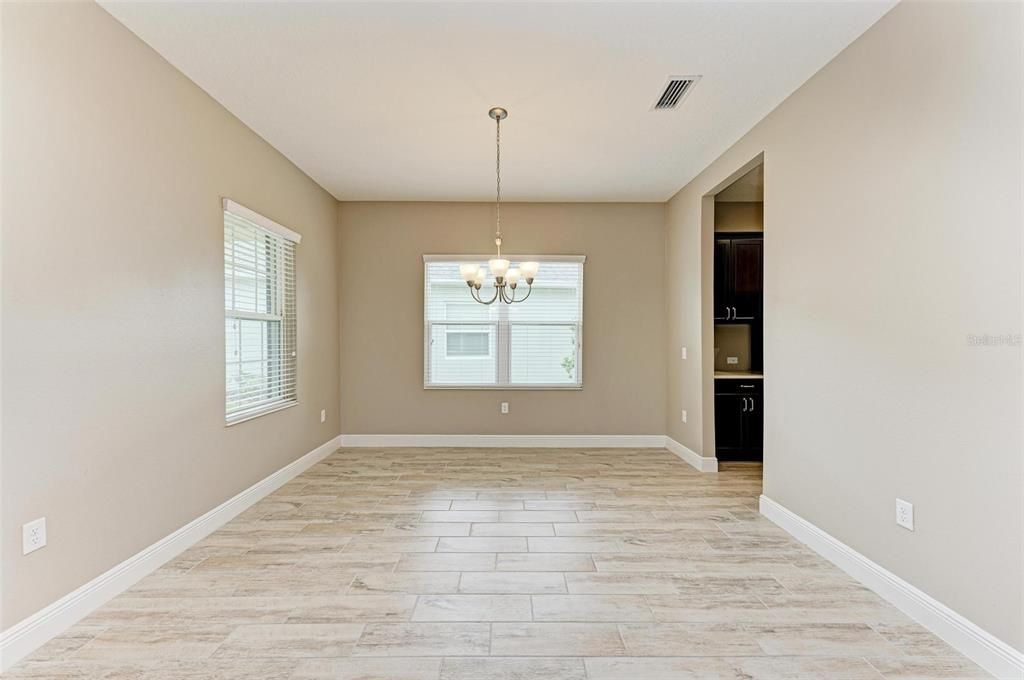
746, 277
729, 416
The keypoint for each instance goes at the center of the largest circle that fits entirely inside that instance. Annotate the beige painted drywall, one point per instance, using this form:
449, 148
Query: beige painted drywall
114, 166
893, 235
739, 216
380, 247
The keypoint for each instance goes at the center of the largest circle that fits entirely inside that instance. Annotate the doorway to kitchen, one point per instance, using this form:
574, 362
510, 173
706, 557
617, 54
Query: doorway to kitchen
738, 313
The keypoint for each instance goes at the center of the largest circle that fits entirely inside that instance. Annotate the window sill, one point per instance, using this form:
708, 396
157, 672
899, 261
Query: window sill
507, 388
257, 414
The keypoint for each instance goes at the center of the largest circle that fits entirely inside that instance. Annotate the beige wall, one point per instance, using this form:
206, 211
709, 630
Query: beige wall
893, 233
381, 291
739, 216
114, 165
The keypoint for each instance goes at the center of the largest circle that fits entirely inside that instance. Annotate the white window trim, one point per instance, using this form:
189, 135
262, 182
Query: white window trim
502, 328
581, 259
256, 218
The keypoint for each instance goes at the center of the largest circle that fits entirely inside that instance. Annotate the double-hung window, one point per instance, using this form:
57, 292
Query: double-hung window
259, 314
536, 344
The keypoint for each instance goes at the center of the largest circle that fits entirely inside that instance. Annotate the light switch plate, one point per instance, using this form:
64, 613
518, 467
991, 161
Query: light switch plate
33, 535
905, 514
683, 354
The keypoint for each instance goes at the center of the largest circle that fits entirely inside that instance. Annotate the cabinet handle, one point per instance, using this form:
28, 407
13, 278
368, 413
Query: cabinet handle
734, 315
744, 405
751, 404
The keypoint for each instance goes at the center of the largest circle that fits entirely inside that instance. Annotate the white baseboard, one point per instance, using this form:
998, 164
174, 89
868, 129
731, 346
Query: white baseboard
23, 638
992, 654
597, 441
702, 463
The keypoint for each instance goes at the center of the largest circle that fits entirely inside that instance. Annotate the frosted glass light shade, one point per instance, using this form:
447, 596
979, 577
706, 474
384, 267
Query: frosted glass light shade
498, 267
468, 271
529, 269
481, 276
513, 275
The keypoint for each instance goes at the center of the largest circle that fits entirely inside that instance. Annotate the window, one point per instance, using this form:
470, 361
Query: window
536, 344
259, 314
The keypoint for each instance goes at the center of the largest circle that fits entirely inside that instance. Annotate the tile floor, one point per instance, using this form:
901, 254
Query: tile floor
496, 564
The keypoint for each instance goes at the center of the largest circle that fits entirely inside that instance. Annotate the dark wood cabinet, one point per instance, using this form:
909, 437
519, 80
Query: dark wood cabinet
739, 277
722, 297
739, 419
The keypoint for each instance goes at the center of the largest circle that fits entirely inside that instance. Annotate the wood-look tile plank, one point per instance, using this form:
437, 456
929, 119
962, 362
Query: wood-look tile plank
424, 639
473, 608
555, 639
689, 639
153, 642
292, 640
561, 562
591, 608
513, 668
446, 561
512, 529
485, 544
368, 668
513, 582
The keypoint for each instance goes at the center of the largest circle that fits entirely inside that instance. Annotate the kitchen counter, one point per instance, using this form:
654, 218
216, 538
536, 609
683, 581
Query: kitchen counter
739, 375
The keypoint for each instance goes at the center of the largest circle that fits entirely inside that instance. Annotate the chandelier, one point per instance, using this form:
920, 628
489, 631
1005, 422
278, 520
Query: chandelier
506, 277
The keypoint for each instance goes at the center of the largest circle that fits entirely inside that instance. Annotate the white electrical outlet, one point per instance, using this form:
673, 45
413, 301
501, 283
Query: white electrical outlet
683, 353
33, 535
905, 514
504, 407
684, 415
323, 415
732, 360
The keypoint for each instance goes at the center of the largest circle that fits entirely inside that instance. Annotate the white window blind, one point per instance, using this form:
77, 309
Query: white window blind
536, 344
259, 314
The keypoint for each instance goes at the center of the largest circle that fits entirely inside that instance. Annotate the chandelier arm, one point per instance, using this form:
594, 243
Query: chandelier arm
476, 296
529, 289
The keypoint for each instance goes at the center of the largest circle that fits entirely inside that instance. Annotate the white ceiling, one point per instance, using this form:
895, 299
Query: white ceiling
388, 101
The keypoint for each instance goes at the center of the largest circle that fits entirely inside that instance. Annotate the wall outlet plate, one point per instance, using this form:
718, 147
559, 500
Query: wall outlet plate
323, 415
683, 353
504, 407
33, 535
683, 415
732, 360
905, 514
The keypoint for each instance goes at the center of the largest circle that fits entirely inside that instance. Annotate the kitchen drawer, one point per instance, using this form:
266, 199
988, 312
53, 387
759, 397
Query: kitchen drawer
738, 386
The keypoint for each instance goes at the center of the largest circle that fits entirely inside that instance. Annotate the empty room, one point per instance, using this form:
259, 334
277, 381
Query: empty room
512, 340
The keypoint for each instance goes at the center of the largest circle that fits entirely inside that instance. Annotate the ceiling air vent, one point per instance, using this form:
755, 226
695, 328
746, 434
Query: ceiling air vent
676, 88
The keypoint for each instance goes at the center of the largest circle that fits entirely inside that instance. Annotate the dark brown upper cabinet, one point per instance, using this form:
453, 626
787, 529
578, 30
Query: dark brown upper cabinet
739, 277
